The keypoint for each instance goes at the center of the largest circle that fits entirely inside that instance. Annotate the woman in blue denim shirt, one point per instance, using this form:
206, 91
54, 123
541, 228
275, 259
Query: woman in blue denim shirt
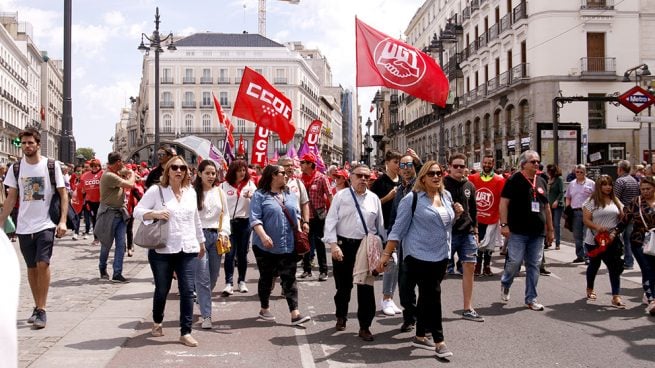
426, 235
274, 241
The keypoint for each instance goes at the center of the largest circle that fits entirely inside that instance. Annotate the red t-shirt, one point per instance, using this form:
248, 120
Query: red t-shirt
487, 197
91, 185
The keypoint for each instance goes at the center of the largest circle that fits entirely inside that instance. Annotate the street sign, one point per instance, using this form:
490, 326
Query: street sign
636, 118
636, 99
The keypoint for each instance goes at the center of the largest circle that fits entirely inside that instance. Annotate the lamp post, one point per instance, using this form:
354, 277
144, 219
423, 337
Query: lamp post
154, 43
626, 78
446, 35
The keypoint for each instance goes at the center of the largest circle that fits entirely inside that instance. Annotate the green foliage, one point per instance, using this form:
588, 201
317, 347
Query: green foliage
87, 152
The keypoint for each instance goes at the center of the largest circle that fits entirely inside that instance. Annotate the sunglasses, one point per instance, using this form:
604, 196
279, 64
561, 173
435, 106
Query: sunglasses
458, 166
406, 165
362, 176
182, 168
434, 173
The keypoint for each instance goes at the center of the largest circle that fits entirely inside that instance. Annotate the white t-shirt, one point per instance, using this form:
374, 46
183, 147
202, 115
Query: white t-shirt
34, 195
243, 203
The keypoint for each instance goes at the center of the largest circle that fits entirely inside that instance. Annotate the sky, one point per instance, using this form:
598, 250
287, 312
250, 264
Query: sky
106, 64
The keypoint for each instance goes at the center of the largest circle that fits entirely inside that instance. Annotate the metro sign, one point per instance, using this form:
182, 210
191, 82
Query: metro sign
636, 99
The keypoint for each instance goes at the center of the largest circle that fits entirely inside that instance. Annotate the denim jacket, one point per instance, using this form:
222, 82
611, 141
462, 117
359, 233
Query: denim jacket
265, 210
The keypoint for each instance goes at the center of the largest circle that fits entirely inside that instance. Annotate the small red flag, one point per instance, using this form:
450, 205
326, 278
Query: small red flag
259, 102
372, 108
241, 151
224, 120
385, 61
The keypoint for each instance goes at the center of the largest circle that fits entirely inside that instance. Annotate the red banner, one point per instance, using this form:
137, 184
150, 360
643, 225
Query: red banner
224, 120
385, 61
259, 102
242, 146
260, 146
313, 133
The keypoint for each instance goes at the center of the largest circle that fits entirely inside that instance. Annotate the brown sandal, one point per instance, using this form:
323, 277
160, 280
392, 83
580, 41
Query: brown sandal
591, 295
617, 302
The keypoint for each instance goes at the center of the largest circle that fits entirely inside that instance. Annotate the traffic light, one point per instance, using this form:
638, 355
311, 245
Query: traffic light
16, 141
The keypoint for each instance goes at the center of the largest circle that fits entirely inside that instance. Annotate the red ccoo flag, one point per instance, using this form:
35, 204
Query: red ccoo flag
385, 61
224, 120
264, 105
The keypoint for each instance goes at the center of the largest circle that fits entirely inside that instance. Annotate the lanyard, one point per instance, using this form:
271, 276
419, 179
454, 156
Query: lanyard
533, 184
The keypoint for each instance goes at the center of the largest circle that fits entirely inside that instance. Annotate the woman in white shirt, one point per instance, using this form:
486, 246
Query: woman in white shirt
183, 248
215, 219
239, 190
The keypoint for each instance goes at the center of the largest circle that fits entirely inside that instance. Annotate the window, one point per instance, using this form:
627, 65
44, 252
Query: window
239, 75
189, 100
206, 123
596, 113
223, 76
168, 123
223, 99
241, 125
188, 122
509, 126
207, 73
188, 76
167, 97
206, 99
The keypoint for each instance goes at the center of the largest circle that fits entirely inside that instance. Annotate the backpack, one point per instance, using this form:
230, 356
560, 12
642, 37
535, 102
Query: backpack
72, 220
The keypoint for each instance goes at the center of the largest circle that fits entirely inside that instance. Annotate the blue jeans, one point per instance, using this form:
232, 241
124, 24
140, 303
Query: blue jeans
240, 237
647, 265
557, 220
578, 235
390, 276
528, 249
628, 258
118, 228
207, 269
163, 266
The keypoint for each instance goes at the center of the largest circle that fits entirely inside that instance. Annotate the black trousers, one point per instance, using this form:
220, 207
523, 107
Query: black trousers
283, 265
428, 277
315, 235
343, 280
406, 290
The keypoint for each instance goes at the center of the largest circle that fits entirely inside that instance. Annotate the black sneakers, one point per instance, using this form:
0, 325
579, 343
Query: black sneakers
40, 319
104, 275
119, 278
33, 316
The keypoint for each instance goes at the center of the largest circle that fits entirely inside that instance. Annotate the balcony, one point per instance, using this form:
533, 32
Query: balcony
166, 105
598, 67
596, 4
166, 80
519, 73
466, 13
505, 23
223, 80
188, 104
482, 40
281, 80
493, 33
225, 104
206, 105
475, 5
189, 80
520, 12
206, 80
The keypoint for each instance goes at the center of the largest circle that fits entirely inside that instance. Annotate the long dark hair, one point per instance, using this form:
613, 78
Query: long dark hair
267, 177
197, 184
231, 176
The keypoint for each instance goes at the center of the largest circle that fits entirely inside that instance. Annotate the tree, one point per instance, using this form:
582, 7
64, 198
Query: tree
87, 152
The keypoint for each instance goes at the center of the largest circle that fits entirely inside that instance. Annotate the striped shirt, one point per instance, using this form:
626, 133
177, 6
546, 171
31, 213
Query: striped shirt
626, 188
607, 217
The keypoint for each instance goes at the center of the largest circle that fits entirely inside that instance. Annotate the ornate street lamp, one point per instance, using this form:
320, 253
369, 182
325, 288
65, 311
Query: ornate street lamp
154, 43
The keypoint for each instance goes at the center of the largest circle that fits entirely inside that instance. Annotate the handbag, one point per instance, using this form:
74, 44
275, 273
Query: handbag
649, 235
10, 227
300, 239
155, 234
222, 247
603, 241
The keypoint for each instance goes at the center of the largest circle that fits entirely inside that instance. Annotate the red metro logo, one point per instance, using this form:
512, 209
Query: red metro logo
399, 64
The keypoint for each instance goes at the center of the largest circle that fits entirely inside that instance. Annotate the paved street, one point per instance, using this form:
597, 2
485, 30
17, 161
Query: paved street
95, 324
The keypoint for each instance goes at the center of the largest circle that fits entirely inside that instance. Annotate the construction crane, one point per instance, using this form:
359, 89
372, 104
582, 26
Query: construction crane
262, 15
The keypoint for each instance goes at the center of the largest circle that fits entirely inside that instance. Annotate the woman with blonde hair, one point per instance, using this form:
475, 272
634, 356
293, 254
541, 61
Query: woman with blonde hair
602, 215
175, 201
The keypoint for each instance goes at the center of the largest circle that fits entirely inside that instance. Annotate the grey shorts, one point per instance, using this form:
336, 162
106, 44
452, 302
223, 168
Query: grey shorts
37, 247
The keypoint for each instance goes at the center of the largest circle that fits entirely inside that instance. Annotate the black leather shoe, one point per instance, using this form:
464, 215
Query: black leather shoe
407, 327
365, 334
341, 324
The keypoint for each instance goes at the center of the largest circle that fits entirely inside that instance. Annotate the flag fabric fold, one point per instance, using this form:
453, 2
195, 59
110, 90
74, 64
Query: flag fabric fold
386, 61
259, 102
224, 120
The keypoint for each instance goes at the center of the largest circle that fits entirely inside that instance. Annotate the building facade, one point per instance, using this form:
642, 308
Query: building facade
207, 63
506, 63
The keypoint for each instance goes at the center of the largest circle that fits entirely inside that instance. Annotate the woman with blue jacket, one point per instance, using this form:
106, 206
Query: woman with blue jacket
424, 223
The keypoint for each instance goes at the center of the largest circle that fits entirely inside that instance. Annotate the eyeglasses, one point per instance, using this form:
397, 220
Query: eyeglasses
182, 168
406, 165
535, 162
362, 176
457, 166
434, 173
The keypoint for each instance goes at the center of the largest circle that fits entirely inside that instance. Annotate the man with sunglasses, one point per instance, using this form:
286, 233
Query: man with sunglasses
465, 229
344, 231
111, 224
525, 219
164, 153
578, 191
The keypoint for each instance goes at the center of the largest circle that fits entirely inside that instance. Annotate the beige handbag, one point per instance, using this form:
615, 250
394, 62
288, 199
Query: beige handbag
222, 247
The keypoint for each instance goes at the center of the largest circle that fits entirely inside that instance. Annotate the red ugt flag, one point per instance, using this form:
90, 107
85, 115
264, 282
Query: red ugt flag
264, 105
385, 61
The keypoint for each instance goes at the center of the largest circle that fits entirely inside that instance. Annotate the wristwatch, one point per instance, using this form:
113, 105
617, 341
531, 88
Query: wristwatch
503, 224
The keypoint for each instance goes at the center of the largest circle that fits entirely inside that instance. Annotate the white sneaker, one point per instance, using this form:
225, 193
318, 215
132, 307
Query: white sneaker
242, 287
644, 299
386, 307
207, 323
395, 307
74, 237
85, 237
229, 290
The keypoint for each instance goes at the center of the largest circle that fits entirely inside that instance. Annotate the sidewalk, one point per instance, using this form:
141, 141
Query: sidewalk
89, 320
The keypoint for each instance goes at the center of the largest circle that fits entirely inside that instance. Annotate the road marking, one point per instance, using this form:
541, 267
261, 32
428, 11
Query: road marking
187, 354
306, 357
